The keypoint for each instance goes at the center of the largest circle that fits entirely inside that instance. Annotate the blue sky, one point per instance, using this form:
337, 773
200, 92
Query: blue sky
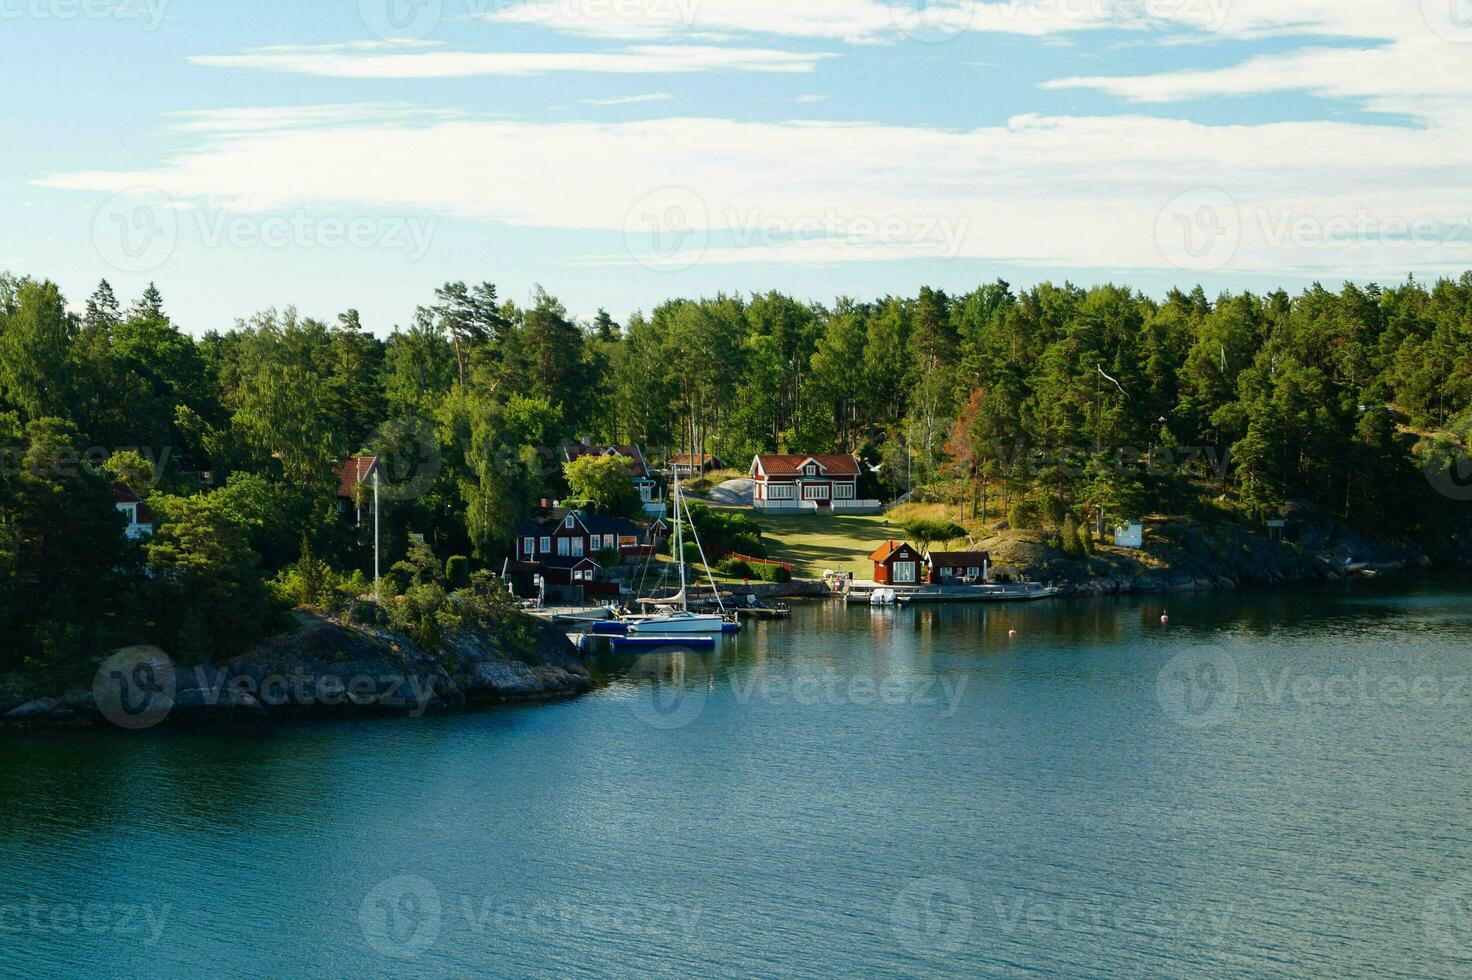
621, 152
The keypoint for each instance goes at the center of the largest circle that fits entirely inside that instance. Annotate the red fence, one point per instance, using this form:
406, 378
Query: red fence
760, 561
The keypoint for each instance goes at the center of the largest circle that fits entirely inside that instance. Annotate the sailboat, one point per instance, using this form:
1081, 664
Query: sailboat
675, 617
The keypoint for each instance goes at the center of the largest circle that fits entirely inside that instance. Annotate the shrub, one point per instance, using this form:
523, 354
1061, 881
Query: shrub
609, 558
734, 568
772, 573
457, 571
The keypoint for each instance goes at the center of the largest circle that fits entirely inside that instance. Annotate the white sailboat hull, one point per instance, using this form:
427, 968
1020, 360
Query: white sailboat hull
680, 623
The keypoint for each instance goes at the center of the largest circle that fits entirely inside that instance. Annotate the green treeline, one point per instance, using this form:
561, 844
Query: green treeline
1053, 405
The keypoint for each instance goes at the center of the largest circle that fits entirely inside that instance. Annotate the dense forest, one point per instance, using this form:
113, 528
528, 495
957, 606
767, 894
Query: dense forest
1057, 403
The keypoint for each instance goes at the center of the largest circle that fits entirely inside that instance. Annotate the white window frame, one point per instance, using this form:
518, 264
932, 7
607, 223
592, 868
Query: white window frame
569, 522
564, 547
780, 491
529, 547
577, 547
914, 570
819, 491
811, 469
546, 546
843, 491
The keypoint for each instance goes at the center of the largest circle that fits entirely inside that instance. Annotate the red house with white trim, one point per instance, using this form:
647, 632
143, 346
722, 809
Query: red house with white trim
804, 481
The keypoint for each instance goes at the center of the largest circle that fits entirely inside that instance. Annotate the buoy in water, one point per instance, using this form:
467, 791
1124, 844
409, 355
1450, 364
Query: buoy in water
1165, 619
1012, 634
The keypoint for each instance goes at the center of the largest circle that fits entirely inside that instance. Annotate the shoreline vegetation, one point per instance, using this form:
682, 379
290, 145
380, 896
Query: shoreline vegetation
185, 492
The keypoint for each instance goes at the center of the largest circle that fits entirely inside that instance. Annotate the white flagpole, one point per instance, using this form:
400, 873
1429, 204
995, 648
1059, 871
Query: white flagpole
376, 597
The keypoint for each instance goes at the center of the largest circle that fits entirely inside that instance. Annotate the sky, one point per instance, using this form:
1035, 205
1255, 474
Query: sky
357, 153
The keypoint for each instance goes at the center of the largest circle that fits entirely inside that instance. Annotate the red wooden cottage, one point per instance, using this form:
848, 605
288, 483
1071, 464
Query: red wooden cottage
896, 563
567, 551
790, 481
959, 567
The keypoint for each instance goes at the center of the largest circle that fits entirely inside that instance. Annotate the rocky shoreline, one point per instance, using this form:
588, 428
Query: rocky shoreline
324, 668
1184, 556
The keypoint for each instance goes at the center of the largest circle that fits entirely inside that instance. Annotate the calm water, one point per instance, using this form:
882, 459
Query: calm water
1273, 784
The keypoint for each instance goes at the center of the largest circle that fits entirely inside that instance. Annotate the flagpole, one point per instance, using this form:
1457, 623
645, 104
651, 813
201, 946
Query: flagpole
376, 597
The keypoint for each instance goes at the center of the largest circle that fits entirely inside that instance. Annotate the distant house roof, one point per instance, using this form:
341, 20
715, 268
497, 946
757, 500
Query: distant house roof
886, 551
633, 454
958, 559
352, 473
691, 459
790, 465
123, 494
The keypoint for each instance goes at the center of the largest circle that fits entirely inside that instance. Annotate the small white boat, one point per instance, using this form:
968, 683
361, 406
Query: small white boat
882, 597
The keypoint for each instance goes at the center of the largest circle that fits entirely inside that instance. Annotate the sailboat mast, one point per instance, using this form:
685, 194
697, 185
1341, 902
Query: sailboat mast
680, 543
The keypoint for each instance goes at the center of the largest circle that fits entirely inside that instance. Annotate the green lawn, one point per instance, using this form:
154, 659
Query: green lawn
814, 543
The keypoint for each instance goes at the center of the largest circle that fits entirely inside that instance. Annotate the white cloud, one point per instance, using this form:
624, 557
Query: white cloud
385, 60
1392, 58
1061, 192
630, 99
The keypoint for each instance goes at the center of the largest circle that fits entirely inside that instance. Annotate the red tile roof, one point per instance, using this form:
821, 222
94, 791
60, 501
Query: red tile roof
885, 551
352, 472
792, 465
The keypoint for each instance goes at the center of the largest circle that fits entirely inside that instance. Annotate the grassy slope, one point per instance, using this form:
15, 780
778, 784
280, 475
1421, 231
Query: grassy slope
816, 543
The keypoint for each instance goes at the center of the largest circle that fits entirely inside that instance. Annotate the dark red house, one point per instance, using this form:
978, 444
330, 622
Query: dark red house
955, 567
792, 481
896, 563
566, 550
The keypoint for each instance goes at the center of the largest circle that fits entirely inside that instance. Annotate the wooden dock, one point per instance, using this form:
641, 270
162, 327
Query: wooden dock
976, 593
